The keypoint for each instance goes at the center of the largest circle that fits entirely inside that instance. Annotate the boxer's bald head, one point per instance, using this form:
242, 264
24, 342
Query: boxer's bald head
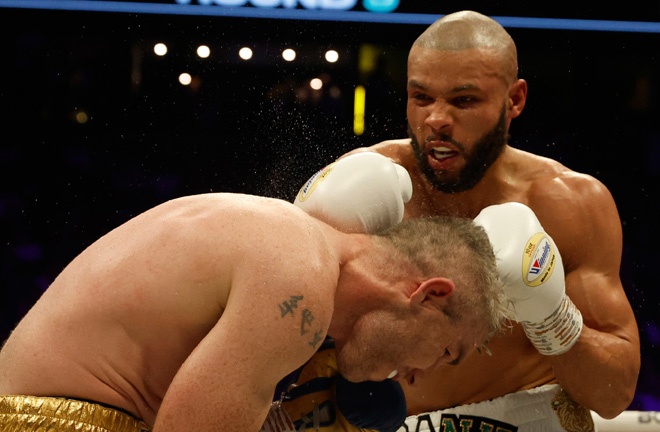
471, 30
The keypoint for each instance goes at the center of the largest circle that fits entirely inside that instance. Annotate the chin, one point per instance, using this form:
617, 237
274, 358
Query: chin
352, 377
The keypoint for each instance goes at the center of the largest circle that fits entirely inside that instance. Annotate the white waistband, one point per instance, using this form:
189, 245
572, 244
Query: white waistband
542, 409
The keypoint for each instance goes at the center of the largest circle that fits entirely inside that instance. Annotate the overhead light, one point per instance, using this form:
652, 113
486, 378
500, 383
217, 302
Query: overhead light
331, 56
203, 51
289, 54
245, 53
185, 78
160, 49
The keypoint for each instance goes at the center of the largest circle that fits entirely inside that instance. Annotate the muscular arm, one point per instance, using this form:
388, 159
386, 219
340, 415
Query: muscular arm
274, 320
600, 371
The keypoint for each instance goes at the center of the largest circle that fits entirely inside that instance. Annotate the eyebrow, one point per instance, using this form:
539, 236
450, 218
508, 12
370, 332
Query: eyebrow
485, 349
415, 83
465, 87
458, 359
461, 357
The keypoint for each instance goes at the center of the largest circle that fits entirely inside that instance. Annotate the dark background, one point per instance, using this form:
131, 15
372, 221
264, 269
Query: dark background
593, 105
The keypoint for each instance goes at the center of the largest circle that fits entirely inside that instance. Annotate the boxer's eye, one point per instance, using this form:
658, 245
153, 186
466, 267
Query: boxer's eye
447, 357
484, 349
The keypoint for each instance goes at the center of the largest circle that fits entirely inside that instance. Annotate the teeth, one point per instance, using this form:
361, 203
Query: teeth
442, 152
392, 374
441, 149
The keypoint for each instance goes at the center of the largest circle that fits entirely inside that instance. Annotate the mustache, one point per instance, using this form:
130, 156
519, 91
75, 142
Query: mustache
445, 138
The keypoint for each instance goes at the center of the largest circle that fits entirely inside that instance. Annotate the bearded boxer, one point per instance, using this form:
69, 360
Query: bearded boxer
463, 93
529, 265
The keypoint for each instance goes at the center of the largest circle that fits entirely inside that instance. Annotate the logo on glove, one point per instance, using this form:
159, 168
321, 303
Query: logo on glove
538, 260
313, 182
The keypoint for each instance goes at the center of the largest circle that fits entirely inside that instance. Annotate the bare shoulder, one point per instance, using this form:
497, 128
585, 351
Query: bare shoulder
236, 215
224, 238
558, 189
399, 150
576, 209
276, 228
284, 280
282, 267
282, 284
282, 247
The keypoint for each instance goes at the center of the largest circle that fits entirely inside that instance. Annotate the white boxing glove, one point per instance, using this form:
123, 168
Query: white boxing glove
362, 192
531, 267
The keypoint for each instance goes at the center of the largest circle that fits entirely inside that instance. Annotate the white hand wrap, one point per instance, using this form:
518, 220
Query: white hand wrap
558, 332
532, 270
363, 192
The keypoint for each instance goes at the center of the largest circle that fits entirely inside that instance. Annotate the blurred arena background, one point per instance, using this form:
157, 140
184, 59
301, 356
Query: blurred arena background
97, 125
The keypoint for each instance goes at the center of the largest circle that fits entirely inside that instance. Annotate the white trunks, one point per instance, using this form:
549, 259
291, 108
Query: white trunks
543, 409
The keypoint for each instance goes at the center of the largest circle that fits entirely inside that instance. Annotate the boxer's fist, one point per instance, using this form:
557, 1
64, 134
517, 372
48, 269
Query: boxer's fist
372, 405
362, 192
317, 398
527, 259
531, 268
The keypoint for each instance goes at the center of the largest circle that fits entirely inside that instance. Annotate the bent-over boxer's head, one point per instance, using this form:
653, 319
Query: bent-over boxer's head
454, 304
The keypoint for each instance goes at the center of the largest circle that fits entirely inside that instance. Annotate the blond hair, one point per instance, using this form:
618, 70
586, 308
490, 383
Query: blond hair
458, 249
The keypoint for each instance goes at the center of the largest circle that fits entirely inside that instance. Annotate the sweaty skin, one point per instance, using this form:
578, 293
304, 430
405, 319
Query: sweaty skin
188, 315
143, 314
462, 81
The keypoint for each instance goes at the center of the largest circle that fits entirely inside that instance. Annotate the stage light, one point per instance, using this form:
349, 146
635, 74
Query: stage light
289, 54
331, 56
185, 78
160, 49
203, 51
245, 53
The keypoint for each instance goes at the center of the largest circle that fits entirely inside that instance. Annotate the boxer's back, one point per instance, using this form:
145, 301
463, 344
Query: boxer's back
119, 321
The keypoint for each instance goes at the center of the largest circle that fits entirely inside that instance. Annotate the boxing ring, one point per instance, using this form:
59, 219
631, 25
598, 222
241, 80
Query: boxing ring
629, 421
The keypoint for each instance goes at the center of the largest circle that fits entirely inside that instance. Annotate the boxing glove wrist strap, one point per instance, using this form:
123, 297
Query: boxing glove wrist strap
557, 333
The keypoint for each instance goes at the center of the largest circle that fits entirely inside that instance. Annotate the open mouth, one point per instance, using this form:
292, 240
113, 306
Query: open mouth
442, 153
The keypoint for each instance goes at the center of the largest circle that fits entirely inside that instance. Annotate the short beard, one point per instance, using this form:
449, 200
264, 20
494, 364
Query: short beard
484, 153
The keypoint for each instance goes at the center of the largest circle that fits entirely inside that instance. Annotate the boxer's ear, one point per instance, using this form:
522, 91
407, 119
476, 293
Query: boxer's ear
436, 289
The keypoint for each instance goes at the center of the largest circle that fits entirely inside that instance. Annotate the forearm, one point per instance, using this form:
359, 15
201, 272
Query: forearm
600, 371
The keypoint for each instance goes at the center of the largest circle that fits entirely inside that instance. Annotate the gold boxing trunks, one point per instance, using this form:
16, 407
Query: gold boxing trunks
50, 414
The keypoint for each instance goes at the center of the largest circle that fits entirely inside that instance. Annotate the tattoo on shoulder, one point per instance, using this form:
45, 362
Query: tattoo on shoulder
306, 316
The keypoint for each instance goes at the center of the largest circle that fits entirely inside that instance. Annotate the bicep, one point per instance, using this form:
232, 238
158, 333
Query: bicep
589, 238
229, 379
221, 385
602, 302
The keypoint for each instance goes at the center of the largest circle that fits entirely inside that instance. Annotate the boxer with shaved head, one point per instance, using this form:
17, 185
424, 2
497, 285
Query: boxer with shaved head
557, 234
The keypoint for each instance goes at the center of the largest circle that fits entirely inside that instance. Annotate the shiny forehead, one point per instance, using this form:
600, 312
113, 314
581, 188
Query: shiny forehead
468, 30
464, 30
